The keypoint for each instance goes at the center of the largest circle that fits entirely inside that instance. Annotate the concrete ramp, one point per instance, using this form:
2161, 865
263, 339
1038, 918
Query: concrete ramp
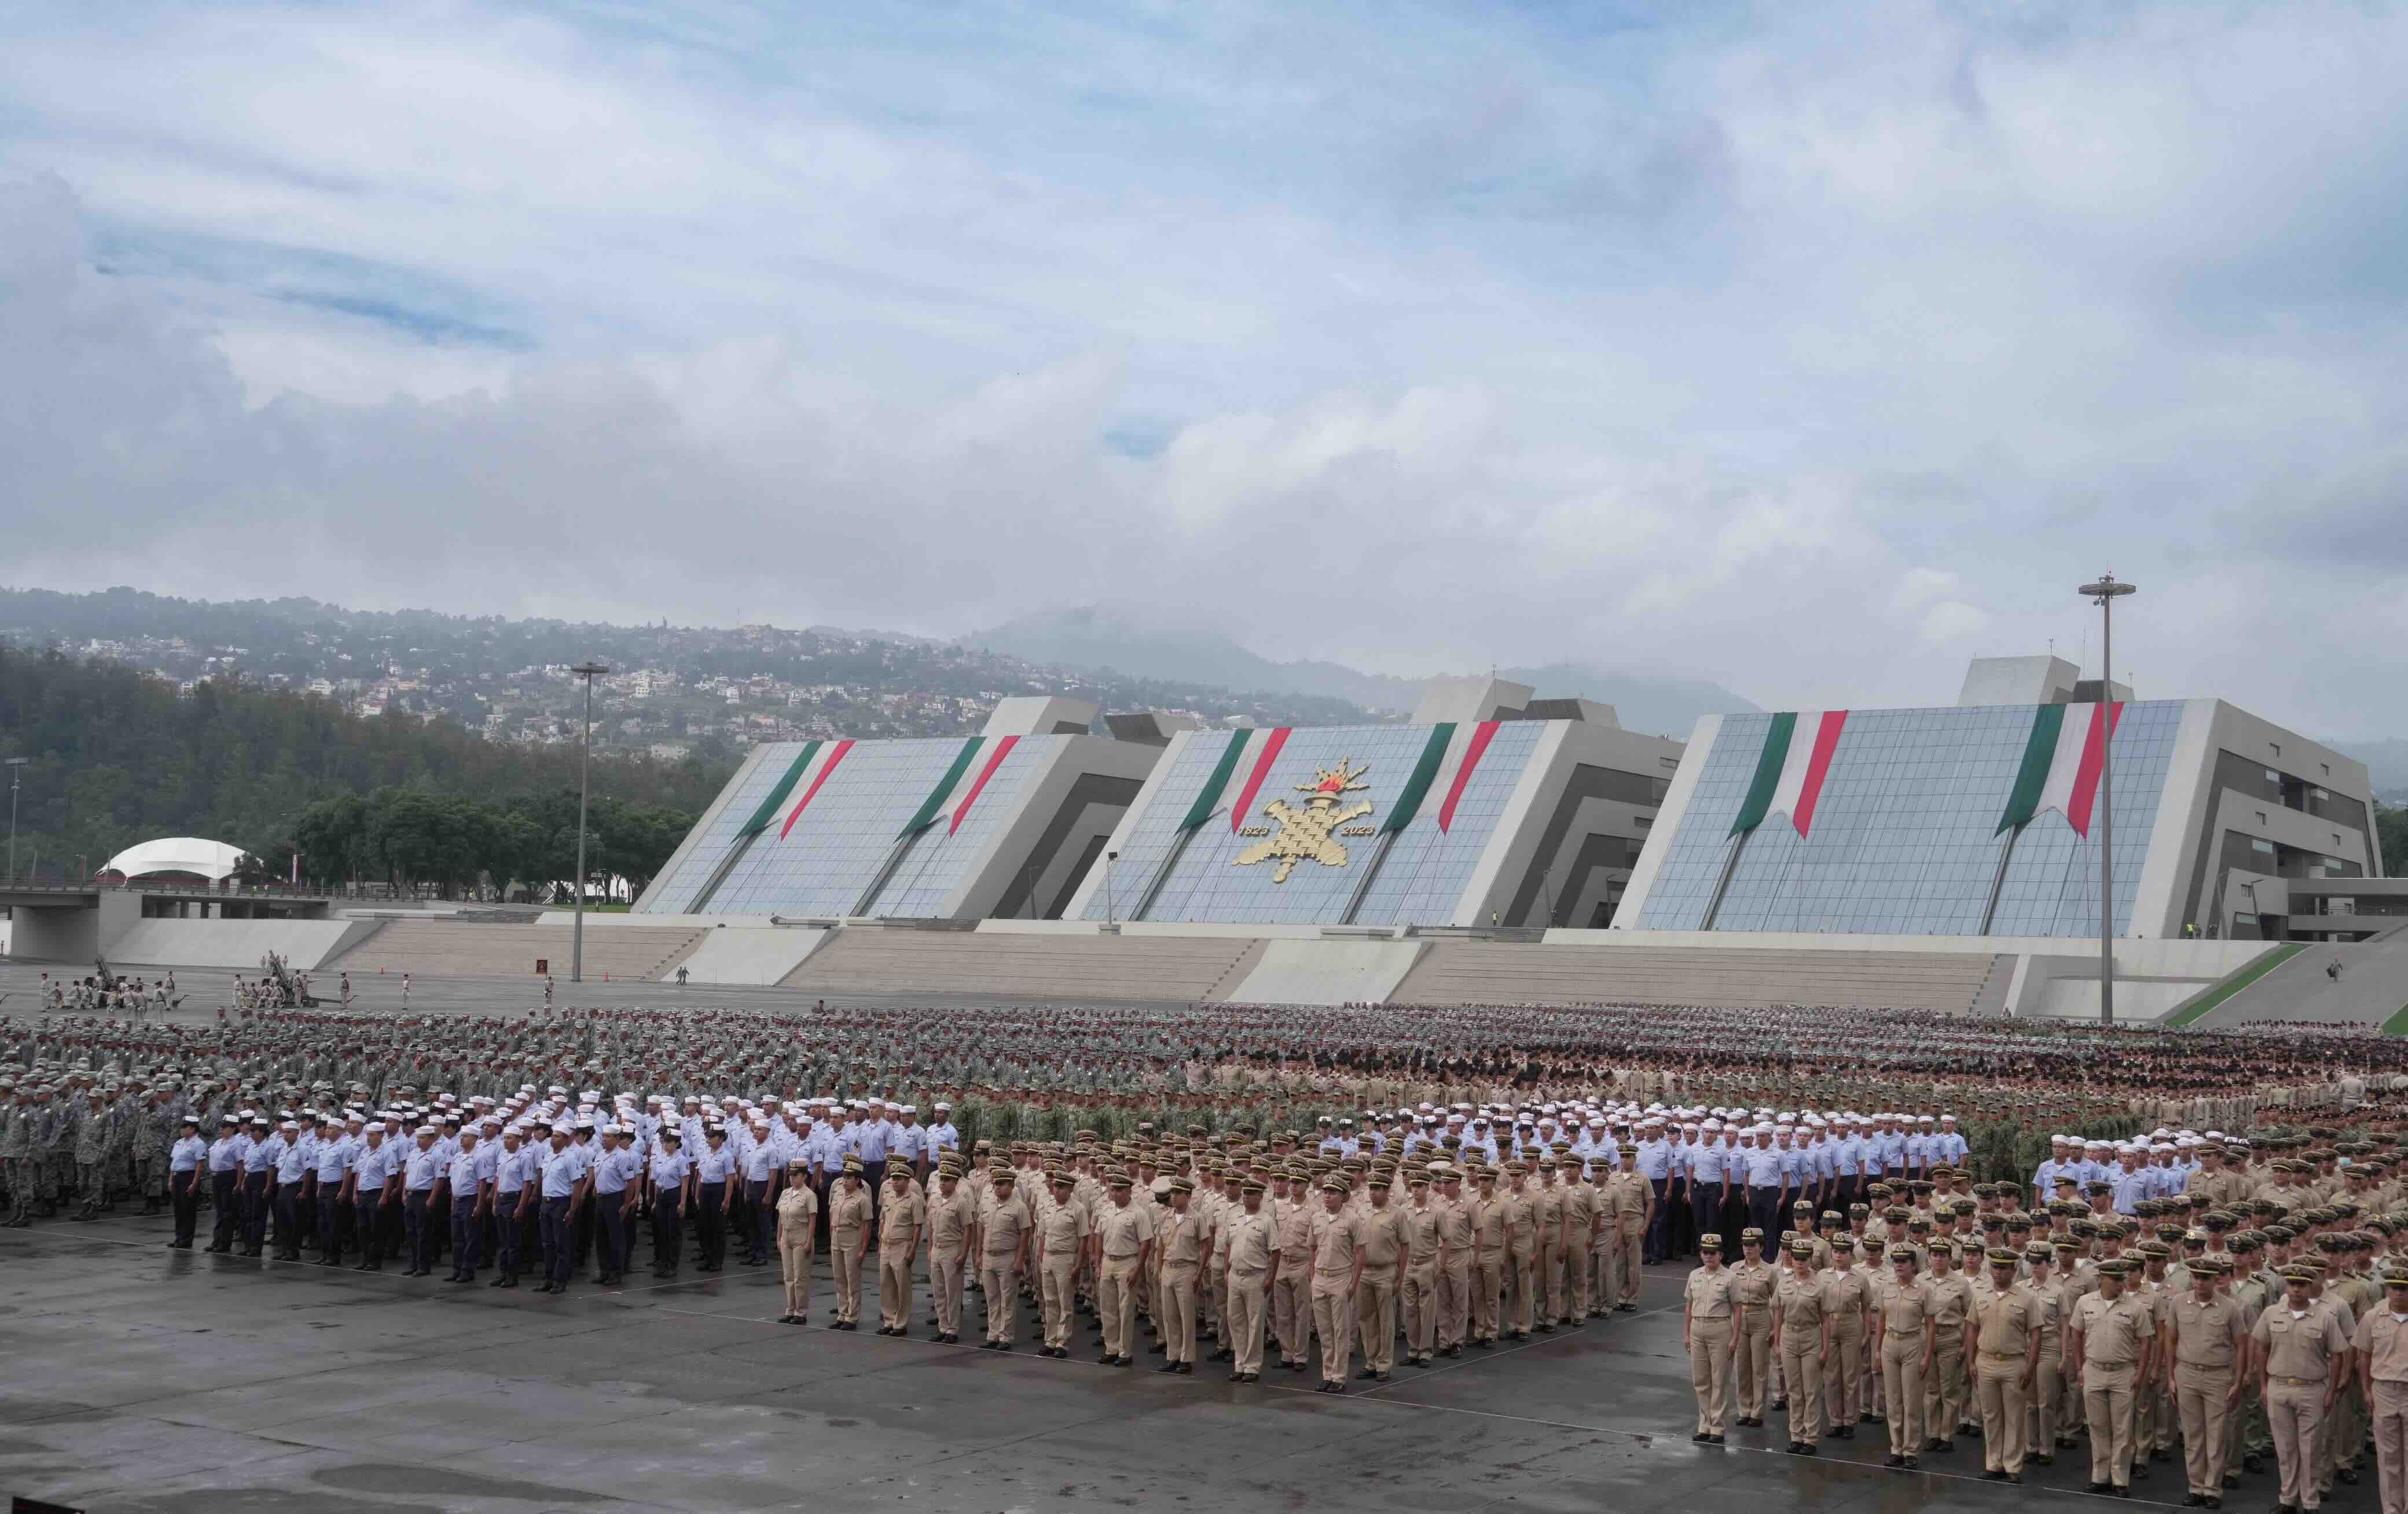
1328, 972
237, 944
2371, 989
757, 955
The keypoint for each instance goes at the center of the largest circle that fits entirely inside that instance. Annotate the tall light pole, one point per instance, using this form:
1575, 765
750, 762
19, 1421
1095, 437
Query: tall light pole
16, 771
589, 672
1110, 858
2107, 590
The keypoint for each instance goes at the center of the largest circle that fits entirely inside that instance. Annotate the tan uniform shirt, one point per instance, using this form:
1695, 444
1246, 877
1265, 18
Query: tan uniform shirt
2003, 1322
798, 1210
1337, 1240
2383, 1335
1295, 1237
1708, 1294
1850, 1293
848, 1215
1455, 1236
1905, 1307
2208, 1335
1418, 1227
2299, 1347
899, 1220
1800, 1304
1179, 1238
1124, 1229
1753, 1284
2113, 1332
1382, 1240
1063, 1233
1251, 1239
949, 1220
1002, 1225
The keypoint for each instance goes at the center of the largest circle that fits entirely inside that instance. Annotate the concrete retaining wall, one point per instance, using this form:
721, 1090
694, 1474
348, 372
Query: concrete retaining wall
237, 944
754, 954
1328, 972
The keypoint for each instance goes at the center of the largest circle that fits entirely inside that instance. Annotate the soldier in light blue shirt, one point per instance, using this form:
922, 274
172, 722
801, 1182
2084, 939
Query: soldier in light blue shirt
672, 1179
714, 1169
465, 1176
911, 1144
764, 1166
421, 1170
618, 1174
942, 1137
258, 1184
188, 1159
515, 1169
567, 1179
293, 1166
337, 1139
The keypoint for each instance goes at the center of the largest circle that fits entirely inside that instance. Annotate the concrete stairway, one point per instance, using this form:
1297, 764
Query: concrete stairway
1490, 972
875, 960
457, 948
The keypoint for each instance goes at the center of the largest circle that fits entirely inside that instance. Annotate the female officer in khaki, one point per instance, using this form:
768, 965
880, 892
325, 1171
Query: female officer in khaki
1751, 1282
1706, 1332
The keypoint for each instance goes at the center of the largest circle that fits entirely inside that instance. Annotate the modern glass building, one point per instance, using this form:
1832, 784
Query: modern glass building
999, 825
1518, 812
1985, 818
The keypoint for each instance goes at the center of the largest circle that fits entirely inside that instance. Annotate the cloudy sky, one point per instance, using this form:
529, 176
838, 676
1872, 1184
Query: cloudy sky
1812, 348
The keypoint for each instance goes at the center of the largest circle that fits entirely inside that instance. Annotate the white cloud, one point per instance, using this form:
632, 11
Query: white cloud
1812, 350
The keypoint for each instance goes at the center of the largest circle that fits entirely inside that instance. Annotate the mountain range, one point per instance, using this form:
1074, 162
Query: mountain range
1100, 637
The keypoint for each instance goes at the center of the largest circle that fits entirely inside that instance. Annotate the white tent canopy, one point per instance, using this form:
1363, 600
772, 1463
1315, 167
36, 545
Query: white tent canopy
211, 859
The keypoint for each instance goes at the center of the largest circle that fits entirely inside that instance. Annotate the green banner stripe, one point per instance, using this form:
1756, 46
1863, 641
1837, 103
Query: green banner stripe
2040, 750
1409, 803
1209, 799
1768, 772
944, 789
769, 807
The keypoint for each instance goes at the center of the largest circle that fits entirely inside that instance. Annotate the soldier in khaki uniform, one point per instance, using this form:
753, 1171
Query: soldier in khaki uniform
1375, 1295
1124, 1237
1706, 1336
1254, 1255
1753, 1283
1489, 1280
1944, 1386
1418, 1227
1803, 1302
1456, 1244
1292, 1285
900, 1221
1520, 1213
1844, 1399
1063, 1242
1583, 1208
2045, 1430
2114, 1338
2003, 1340
1907, 1342
2381, 1349
1337, 1269
1547, 1226
1179, 1254
849, 1218
2302, 1353
798, 1210
1004, 1227
2206, 1338
1630, 1206
951, 1213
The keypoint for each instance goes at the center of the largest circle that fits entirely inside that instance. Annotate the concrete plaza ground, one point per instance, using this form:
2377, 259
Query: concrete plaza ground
135, 1378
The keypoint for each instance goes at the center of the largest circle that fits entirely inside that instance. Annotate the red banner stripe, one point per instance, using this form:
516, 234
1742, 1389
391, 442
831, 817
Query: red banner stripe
1262, 770
1002, 750
2085, 778
821, 777
1818, 764
1479, 739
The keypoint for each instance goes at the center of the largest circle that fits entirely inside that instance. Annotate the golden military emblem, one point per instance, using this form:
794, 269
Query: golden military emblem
1310, 834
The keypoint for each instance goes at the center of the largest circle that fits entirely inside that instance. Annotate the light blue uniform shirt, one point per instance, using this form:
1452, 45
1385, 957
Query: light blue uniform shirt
465, 1170
187, 1154
716, 1166
263, 1154
614, 1170
943, 1138
564, 1169
669, 1169
334, 1159
511, 1168
1654, 1160
292, 1163
372, 1166
421, 1170
877, 1139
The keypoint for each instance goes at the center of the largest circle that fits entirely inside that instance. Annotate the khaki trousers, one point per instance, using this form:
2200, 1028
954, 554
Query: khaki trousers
847, 1262
2293, 1412
1901, 1359
1116, 1302
1174, 1311
945, 1282
2389, 1413
2107, 1406
1754, 1361
1844, 1381
1580, 1262
1248, 1293
1454, 1299
2006, 1414
1292, 1315
795, 1263
894, 1286
1060, 1284
2203, 1396
2047, 1396
1709, 1353
1524, 1269
1375, 1319
1550, 1285
1000, 1278
1333, 1320
1418, 1296
1631, 1236
1488, 1298
1943, 1391
1803, 1371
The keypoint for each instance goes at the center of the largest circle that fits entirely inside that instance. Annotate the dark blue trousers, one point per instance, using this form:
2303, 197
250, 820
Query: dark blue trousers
467, 1236
559, 1242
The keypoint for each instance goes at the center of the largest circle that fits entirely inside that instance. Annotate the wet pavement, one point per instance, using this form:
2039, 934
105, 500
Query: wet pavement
141, 1379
